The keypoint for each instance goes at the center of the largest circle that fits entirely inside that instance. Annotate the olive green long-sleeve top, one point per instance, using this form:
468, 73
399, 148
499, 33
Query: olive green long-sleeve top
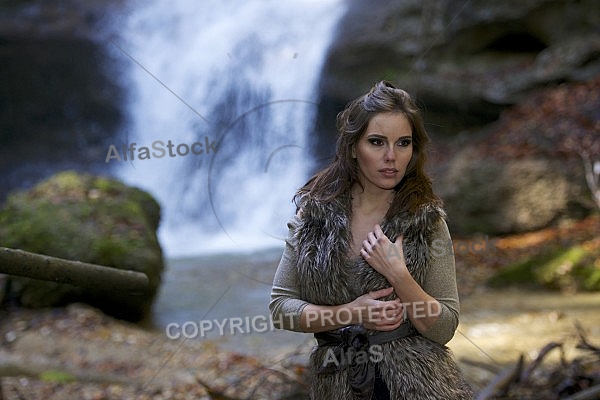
286, 306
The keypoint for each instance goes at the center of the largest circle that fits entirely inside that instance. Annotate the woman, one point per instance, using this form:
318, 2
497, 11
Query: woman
357, 270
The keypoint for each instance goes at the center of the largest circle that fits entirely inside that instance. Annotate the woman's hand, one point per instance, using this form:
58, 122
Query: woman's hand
377, 314
367, 310
384, 256
387, 258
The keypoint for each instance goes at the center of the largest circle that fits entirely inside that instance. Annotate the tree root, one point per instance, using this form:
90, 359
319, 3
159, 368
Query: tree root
577, 379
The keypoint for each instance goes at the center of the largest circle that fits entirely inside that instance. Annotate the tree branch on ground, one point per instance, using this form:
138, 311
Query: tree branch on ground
84, 275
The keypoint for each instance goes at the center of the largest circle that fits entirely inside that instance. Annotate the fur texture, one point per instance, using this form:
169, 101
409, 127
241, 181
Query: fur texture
414, 368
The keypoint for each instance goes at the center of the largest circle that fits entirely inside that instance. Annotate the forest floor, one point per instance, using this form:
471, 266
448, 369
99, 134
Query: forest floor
79, 353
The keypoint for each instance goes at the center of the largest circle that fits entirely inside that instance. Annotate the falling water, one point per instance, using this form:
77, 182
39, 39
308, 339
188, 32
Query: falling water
234, 82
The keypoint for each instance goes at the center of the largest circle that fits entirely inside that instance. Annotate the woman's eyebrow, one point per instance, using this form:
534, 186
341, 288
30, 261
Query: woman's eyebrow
379, 135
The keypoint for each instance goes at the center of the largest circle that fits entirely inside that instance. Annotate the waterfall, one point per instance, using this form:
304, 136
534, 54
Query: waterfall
222, 97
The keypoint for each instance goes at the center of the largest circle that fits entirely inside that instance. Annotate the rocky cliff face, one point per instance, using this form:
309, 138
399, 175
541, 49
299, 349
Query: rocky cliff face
61, 96
466, 62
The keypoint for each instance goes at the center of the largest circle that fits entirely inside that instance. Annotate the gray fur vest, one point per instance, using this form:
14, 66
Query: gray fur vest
415, 367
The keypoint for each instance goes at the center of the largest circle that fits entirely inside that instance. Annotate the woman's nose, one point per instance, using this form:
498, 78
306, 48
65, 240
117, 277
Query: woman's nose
390, 155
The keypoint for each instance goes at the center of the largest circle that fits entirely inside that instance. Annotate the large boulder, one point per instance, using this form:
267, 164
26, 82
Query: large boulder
527, 170
491, 196
90, 219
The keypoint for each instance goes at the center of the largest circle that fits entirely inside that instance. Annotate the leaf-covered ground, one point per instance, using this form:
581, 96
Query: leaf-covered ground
79, 353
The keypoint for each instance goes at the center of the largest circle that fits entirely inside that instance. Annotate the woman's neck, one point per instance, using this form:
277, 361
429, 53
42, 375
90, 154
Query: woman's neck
370, 202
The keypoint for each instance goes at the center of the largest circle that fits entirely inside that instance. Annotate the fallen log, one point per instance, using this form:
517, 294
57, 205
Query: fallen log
577, 379
84, 275
527, 372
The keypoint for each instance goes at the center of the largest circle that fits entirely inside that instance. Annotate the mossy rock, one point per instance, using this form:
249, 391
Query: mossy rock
91, 219
571, 268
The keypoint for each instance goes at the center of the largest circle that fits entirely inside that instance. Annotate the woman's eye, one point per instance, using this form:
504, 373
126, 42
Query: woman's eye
405, 142
376, 142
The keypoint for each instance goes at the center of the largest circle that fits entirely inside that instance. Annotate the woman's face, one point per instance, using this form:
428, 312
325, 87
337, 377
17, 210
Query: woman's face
384, 151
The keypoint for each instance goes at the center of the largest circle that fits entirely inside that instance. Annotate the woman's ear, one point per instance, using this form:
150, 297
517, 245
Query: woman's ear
353, 151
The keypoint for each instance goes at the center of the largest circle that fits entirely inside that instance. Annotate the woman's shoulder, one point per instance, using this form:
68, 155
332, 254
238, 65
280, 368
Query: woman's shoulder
440, 229
436, 220
427, 214
315, 208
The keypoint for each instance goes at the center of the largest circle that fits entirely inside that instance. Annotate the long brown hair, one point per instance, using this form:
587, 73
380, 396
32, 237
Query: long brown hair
415, 188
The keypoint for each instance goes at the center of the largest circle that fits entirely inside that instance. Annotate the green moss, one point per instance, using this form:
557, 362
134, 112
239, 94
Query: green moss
558, 271
520, 273
108, 187
561, 268
592, 280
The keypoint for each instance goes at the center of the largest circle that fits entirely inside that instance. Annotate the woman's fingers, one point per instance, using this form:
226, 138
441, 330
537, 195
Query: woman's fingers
381, 293
390, 327
366, 247
375, 245
385, 324
386, 311
391, 311
378, 314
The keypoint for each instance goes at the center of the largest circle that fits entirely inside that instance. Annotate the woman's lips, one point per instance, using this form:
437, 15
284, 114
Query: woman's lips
388, 172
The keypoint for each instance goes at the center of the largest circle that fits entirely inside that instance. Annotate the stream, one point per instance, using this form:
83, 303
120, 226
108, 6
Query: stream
232, 291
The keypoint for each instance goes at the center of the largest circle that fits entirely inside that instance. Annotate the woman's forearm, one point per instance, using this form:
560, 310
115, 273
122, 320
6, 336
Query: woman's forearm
421, 308
317, 318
